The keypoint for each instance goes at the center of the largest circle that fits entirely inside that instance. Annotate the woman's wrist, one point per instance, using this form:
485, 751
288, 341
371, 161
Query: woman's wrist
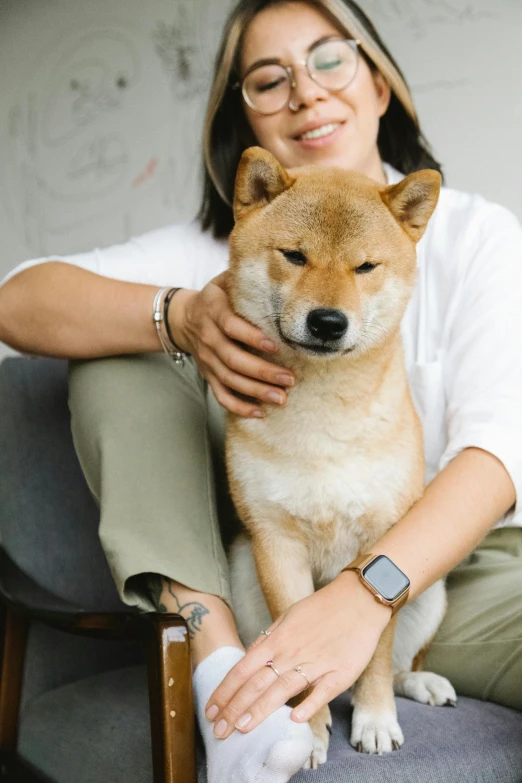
354, 591
177, 315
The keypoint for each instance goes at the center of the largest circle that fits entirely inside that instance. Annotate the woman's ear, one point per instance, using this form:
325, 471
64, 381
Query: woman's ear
382, 91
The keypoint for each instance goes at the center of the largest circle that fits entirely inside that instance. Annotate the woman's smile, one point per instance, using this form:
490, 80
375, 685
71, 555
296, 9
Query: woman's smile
320, 136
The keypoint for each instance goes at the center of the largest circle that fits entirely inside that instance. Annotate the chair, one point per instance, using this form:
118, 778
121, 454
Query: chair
53, 573
92, 707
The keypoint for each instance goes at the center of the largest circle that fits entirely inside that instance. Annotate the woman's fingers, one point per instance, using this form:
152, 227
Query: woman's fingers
216, 335
247, 386
246, 668
232, 403
238, 329
264, 693
325, 689
252, 366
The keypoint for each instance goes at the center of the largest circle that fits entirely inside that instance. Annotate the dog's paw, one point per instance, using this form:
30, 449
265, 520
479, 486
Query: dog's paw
426, 687
375, 733
321, 725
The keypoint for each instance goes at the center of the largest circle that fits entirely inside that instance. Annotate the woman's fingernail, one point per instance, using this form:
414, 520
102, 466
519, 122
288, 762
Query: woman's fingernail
276, 397
285, 380
268, 345
220, 728
296, 715
212, 712
257, 414
243, 720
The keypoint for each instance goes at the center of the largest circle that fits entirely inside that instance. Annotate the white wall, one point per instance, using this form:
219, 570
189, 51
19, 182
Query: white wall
101, 109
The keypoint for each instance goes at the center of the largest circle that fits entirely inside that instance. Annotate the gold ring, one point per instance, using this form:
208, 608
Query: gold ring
271, 664
298, 669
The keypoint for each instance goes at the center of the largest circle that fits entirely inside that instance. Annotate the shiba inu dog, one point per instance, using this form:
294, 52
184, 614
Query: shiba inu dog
324, 261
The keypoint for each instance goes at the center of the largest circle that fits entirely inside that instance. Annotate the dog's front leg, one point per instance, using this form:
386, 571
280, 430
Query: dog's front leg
285, 575
375, 728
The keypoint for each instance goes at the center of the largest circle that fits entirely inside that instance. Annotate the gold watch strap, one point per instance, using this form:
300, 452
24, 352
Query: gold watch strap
358, 565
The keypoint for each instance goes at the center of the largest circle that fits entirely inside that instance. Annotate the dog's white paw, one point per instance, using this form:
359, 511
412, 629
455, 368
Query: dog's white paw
426, 687
375, 733
321, 725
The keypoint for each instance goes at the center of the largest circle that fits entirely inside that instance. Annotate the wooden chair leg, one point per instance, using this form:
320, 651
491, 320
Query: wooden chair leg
171, 701
13, 646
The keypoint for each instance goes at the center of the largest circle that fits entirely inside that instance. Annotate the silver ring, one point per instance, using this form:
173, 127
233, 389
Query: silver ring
291, 107
271, 664
298, 669
266, 633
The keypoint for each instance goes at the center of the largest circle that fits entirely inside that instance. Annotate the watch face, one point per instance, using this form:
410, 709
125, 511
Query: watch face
385, 577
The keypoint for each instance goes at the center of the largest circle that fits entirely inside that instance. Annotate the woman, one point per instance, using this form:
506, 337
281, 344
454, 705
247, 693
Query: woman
149, 431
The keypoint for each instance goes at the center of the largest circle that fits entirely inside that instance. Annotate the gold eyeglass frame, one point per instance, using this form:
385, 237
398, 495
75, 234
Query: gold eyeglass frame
354, 44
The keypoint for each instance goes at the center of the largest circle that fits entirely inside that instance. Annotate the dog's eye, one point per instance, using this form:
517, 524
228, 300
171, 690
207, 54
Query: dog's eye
364, 268
294, 256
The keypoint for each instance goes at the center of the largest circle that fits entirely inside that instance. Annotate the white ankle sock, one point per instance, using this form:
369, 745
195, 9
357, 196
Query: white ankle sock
271, 753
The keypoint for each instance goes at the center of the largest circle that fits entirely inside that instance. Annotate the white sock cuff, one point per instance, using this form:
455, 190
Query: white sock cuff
222, 659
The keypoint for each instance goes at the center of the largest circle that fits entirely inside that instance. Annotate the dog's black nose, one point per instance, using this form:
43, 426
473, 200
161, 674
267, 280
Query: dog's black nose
327, 324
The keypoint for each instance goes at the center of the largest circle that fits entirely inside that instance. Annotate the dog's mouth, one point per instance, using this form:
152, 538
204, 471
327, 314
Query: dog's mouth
317, 349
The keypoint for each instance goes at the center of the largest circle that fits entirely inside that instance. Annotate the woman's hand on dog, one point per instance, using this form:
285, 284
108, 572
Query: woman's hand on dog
205, 326
332, 634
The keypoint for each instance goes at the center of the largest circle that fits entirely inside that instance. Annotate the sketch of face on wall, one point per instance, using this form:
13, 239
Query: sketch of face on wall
95, 131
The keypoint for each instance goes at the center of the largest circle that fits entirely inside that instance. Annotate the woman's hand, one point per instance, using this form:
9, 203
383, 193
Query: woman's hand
332, 635
207, 328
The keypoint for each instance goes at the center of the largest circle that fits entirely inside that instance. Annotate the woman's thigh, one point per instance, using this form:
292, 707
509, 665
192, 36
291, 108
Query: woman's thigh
479, 644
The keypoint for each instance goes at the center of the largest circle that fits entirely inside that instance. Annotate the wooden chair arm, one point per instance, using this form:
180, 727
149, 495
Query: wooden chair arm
171, 700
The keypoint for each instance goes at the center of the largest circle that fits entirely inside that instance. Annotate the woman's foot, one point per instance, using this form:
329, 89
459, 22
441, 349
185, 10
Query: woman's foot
278, 747
271, 753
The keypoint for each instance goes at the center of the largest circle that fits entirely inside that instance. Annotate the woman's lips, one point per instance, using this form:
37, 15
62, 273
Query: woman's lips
322, 141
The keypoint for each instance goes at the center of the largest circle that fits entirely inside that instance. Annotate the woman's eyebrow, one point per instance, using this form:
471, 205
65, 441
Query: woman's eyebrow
277, 60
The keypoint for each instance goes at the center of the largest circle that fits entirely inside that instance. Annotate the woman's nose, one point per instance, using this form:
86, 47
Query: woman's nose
305, 90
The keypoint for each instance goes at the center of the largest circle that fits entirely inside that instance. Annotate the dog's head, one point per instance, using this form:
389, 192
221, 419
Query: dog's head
324, 259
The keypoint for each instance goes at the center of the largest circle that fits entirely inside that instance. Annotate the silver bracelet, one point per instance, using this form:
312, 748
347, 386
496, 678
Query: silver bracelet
158, 318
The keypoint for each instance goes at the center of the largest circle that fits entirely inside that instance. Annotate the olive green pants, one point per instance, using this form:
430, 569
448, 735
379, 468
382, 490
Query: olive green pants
150, 435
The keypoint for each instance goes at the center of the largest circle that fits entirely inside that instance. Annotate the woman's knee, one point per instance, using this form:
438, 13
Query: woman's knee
112, 391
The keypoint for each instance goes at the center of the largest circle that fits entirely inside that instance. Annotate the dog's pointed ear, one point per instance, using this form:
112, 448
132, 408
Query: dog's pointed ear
413, 200
259, 179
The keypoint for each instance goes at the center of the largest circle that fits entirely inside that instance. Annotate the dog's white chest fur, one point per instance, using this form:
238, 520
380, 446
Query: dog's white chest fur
320, 468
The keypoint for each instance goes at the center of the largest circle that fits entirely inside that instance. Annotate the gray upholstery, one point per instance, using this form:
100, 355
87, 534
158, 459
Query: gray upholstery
98, 730
55, 658
48, 519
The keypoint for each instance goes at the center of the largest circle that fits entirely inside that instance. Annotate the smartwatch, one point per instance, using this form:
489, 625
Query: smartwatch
387, 583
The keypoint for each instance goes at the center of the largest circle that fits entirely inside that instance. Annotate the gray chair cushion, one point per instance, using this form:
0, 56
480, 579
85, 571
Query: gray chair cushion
55, 658
97, 730
48, 519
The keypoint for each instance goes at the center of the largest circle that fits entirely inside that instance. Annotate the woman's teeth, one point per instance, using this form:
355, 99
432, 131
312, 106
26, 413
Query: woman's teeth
324, 130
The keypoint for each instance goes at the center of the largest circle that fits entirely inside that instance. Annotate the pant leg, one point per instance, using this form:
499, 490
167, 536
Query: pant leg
149, 436
479, 644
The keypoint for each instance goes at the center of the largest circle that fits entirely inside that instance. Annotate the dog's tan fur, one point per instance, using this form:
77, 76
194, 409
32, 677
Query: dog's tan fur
320, 481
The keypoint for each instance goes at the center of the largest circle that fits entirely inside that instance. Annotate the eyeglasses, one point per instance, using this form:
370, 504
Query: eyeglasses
332, 64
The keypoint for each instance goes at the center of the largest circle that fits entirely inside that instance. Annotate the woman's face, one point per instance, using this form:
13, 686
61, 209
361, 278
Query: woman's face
287, 32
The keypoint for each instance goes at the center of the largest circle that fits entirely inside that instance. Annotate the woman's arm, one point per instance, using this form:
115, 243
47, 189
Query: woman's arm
58, 309
453, 515
455, 512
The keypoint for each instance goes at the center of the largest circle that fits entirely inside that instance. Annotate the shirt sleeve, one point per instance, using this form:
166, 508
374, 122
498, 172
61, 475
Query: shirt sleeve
483, 368
174, 255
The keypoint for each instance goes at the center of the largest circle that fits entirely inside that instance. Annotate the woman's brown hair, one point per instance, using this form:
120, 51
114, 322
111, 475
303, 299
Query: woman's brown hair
227, 133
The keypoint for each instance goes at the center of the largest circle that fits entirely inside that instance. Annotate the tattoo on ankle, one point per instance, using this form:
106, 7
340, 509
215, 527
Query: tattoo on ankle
193, 611
155, 588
